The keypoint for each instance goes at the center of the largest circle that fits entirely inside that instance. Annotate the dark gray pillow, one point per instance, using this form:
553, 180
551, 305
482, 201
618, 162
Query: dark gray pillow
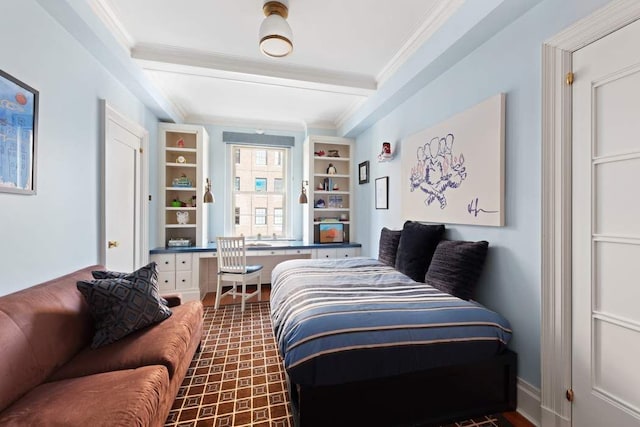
388, 246
416, 246
456, 267
106, 274
120, 306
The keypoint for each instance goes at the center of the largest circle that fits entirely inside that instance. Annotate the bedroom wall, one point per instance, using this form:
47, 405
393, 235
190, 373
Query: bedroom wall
57, 230
510, 62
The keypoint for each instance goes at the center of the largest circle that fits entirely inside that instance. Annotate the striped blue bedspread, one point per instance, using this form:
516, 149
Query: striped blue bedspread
353, 319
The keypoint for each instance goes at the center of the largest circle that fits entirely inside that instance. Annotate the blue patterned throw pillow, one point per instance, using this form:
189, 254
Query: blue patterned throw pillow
122, 305
142, 273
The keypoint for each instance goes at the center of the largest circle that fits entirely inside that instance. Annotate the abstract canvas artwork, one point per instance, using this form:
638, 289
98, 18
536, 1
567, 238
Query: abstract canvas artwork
453, 172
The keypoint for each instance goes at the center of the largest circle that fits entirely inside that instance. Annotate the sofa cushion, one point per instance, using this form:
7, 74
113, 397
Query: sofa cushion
165, 343
417, 243
121, 306
456, 267
138, 274
41, 328
388, 246
119, 398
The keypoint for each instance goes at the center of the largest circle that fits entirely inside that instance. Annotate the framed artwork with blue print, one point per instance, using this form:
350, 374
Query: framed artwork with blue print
18, 135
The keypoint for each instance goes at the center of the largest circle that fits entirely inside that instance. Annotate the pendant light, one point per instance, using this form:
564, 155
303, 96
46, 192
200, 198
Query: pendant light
276, 37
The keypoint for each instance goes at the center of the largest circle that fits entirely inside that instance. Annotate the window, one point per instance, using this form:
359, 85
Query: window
277, 185
261, 216
261, 157
277, 216
261, 184
259, 199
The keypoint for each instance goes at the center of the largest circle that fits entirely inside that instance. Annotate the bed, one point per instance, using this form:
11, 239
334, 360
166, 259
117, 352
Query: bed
363, 344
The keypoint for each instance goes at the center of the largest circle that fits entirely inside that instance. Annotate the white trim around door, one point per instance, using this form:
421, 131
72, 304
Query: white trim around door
556, 201
110, 114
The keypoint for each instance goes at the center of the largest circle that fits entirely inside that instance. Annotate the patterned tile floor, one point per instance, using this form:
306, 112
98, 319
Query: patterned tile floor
237, 378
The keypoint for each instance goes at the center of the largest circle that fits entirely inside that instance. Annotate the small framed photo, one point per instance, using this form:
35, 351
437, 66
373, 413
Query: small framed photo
18, 135
382, 193
363, 172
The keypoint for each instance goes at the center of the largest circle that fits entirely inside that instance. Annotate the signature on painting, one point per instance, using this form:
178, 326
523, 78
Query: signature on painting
474, 209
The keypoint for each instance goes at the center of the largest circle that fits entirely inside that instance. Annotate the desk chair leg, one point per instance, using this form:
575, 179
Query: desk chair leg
244, 293
218, 293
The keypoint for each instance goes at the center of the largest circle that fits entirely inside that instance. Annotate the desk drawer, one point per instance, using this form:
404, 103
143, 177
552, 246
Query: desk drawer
166, 281
346, 252
183, 262
166, 262
183, 279
298, 251
325, 253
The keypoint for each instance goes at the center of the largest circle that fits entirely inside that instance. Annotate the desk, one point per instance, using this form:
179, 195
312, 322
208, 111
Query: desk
192, 270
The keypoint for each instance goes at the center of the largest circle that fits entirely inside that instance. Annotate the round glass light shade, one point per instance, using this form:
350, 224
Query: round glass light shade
276, 37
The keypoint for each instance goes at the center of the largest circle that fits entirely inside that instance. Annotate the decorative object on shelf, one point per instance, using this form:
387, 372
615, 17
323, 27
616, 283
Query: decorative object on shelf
331, 170
333, 153
181, 159
344, 217
320, 153
276, 37
183, 181
182, 217
180, 143
363, 172
386, 154
176, 203
303, 194
382, 193
320, 186
179, 242
208, 196
319, 203
193, 201
19, 120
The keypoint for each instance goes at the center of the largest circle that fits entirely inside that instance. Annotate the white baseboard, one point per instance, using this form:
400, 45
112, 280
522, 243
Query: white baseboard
529, 402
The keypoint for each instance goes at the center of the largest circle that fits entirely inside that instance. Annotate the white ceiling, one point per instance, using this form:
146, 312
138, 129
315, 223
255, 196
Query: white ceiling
203, 55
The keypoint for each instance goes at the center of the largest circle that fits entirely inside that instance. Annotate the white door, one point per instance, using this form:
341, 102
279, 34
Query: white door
606, 231
124, 206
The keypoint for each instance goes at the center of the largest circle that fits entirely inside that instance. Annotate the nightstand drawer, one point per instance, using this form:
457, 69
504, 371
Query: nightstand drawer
166, 281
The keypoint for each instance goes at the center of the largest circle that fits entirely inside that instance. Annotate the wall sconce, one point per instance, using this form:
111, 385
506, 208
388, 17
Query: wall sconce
208, 196
303, 194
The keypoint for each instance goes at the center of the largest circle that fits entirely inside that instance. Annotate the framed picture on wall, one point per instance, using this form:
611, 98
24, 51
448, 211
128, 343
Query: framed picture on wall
382, 193
18, 135
363, 172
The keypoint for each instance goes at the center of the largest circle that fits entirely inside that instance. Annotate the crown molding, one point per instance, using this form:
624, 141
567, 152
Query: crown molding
104, 10
175, 59
346, 114
432, 20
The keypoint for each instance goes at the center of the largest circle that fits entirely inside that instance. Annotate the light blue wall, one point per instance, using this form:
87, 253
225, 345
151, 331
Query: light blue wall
510, 62
57, 230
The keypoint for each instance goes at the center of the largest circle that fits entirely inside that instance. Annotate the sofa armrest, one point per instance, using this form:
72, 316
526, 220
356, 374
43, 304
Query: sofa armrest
173, 299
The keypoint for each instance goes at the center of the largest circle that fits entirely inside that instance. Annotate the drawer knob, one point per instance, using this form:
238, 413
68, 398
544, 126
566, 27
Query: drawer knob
166, 262
183, 280
184, 262
166, 281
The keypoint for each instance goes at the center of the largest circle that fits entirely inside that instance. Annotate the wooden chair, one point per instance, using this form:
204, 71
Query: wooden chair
232, 267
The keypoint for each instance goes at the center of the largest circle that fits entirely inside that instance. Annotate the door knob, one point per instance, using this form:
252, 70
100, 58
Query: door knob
113, 244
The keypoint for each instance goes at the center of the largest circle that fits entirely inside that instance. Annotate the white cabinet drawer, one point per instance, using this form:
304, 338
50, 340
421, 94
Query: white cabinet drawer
346, 252
183, 279
298, 251
166, 262
166, 281
325, 253
183, 262
268, 252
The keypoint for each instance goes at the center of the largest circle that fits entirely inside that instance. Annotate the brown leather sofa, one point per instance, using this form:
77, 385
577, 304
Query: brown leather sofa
49, 375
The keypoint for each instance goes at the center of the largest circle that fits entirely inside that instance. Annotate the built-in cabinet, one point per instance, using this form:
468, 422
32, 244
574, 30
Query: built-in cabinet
329, 169
182, 215
181, 181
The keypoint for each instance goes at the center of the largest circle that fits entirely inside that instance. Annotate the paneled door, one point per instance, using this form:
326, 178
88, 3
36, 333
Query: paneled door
606, 231
124, 210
